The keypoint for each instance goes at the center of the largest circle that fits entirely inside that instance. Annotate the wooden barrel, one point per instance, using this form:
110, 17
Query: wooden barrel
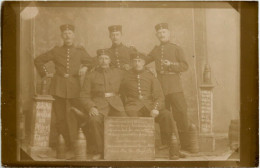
193, 139
234, 134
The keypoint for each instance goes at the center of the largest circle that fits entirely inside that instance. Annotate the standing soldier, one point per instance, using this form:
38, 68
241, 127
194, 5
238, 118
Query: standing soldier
144, 98
120, 54
169, 63
70, 63
100, 97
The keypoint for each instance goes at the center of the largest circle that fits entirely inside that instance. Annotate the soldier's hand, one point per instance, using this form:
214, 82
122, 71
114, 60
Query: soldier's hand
83, 70
166, 62
93, 111
127, 67
154, 113
130, 45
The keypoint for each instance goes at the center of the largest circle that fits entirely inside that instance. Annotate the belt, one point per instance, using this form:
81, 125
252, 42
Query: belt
141, 97
167, 73
65, 75
106, 95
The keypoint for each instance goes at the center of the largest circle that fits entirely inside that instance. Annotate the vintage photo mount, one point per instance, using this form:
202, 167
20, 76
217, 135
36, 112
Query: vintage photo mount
248, 74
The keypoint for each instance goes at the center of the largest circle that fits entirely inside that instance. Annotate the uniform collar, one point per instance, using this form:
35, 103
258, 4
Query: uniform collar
65, 46
116, 45
138, 72
103, 69
164, 43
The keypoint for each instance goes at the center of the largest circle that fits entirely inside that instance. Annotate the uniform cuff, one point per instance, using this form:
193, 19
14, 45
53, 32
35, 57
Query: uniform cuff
156, 106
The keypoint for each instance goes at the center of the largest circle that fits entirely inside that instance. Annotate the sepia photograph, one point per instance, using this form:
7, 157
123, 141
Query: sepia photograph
128, 81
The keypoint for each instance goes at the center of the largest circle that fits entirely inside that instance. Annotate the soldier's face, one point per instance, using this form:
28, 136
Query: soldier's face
138, 64
104, 61
163, 35
68, 37
116, 37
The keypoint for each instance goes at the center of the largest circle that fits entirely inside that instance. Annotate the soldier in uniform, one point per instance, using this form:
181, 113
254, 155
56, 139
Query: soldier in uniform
120, 54
144, 98
70, 63
100, 97
169, 64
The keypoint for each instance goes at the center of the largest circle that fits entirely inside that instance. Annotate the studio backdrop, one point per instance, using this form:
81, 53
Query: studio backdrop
203, 33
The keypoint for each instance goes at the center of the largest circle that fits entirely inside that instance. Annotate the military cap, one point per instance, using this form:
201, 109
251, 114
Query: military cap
115, 28
161, 26
67, 27
103, 52
137, 55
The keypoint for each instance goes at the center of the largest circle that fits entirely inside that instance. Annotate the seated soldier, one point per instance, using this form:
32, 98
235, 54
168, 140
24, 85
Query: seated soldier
144, 98
100, 98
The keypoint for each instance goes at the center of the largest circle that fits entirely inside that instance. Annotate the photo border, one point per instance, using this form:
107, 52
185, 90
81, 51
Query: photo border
249, 147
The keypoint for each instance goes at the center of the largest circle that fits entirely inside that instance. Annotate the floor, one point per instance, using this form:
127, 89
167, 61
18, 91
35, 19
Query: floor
222, 152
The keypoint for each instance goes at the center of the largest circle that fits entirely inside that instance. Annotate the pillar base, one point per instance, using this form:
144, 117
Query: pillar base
35, 150
207, 142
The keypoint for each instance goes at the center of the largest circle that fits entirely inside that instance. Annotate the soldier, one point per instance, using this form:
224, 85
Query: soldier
144, 98
100, 97
120, 57
70, 63
169, 63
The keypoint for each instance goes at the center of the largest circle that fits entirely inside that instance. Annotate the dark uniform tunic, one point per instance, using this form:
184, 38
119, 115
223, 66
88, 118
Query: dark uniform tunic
101, 90
169, 77
143, 94
65, 85
120, 55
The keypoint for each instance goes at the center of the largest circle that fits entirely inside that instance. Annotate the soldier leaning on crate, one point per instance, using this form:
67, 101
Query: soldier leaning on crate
169, 64
100, 97
120, 53
144, 98
70, 63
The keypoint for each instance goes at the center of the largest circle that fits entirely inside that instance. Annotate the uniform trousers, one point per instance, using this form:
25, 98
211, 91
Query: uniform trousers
95, 130
64, 121
165, 121
176, 102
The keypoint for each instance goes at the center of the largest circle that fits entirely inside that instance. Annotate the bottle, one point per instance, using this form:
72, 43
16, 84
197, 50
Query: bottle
44, 87
174, 148
207, 75
81, 146
61, 149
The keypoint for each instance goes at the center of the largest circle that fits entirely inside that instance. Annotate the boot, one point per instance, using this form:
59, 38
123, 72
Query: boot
184, 140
